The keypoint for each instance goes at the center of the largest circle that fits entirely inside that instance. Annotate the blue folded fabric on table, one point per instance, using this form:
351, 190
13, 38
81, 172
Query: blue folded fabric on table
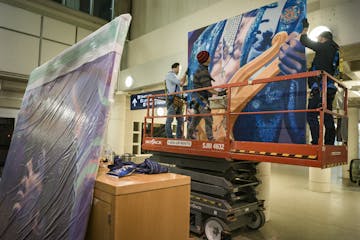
123, 171
122, 168
151, 167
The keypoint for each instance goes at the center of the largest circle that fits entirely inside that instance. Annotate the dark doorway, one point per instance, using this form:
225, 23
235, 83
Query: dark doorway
6, 132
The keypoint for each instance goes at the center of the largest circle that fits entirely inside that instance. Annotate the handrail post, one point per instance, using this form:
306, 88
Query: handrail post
184, 118
346, 102
144, 129
152, 115
324, 108
227, 114
148, 106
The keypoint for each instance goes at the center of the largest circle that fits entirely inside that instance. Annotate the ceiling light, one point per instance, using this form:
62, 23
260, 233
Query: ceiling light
316, 32
129, 81
160, 111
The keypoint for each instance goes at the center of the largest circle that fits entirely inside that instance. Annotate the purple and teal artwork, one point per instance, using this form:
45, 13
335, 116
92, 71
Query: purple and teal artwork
258, 44
47, 184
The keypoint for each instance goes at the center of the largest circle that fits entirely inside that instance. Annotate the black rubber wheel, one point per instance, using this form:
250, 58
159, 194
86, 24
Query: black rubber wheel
354, 170
213, 228
257, 220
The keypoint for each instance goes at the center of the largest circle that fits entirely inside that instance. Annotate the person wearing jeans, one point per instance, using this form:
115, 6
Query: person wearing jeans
173, 84
202, 78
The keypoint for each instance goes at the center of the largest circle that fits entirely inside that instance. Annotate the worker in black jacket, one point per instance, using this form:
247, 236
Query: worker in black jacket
326, 59
202, 79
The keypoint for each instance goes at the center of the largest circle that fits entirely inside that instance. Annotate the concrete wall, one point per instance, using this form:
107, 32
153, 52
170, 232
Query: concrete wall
149, 15
28, 40
22, 32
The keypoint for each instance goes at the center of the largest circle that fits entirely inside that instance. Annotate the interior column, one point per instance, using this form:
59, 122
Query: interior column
264, 175
353, 139
319, 179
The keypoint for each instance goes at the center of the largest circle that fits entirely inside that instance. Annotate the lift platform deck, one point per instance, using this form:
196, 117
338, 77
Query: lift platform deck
320, 155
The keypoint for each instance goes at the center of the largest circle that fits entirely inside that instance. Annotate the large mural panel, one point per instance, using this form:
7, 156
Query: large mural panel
261, 43
47, 184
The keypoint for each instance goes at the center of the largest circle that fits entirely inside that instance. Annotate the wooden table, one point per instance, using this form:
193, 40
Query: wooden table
139, 207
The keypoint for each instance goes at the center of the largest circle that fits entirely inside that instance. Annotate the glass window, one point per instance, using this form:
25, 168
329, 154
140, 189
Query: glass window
73, 4
102, 9
85, 6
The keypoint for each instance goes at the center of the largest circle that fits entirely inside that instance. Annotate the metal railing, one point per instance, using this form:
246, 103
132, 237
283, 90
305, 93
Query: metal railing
234, 106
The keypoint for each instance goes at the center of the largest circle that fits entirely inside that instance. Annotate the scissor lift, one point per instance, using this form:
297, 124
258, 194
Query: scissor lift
223, 193
223, 172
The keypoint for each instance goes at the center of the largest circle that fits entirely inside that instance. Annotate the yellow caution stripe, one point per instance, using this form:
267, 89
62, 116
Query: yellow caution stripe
276, 154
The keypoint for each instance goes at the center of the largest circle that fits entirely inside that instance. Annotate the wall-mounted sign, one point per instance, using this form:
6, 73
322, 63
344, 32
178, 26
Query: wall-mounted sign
139, 101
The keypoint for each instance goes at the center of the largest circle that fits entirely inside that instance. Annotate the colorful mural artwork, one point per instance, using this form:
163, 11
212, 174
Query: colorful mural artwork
258, 44
47, 184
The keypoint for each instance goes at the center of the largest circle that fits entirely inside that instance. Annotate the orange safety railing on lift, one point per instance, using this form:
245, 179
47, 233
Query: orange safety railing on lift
320, 155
